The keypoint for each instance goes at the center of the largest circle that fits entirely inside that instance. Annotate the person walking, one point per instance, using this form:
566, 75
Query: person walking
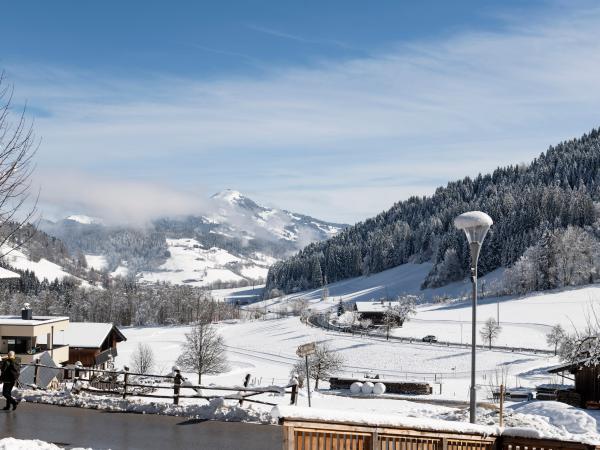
10, 370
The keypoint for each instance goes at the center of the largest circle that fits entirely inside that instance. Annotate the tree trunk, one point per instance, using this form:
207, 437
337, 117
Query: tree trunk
199, 377
316, 384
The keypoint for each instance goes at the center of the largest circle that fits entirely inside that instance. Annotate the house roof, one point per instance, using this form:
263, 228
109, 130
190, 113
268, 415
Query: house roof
570, 365
372, 307
37, 320
87, 334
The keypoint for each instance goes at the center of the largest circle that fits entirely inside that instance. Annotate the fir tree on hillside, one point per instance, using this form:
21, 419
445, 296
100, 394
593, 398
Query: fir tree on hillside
530, 205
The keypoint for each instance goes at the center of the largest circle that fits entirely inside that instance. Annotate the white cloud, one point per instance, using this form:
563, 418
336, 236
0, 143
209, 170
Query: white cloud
434, 110
115, 201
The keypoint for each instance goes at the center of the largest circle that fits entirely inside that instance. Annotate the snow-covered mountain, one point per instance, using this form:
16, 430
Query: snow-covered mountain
234, 240
243, 216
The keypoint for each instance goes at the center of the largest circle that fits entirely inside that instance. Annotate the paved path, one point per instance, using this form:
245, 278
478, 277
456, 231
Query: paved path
78, 427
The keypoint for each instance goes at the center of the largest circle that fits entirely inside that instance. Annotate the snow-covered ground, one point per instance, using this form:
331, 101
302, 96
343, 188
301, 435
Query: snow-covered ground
189, 263
404, 279
43, 269
266, 350
525, 321
96, 262
29, 444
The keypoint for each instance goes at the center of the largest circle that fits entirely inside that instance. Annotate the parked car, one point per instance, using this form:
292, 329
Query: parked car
429, 338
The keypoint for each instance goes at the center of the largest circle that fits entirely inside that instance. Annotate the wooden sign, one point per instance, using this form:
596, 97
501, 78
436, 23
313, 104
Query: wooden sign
306, 349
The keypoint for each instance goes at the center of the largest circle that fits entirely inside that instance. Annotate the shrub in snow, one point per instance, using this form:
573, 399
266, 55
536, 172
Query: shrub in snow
356, 387
321, 365
349, 319
379, 389
367, 388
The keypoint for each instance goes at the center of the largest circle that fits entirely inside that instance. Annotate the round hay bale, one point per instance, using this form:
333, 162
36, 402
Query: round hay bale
367, 388
355, 388
379, 389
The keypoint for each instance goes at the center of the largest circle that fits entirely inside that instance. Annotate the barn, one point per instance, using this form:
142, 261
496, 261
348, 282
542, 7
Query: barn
586, 376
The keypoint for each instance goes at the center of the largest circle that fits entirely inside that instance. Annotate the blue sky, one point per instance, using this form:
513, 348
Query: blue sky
334, 109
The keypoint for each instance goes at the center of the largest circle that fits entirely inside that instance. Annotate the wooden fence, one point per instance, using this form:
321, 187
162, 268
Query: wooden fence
310, 435
123, 383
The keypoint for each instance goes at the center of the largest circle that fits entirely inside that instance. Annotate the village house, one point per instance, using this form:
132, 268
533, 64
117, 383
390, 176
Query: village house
92, 344
32, 337
374, 311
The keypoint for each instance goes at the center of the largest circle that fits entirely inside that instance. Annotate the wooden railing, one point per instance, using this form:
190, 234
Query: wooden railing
311, 435
124, 383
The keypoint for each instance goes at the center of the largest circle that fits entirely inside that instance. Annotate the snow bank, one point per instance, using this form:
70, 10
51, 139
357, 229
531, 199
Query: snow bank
29, 444
573, 420
537, 420
217, 409
383, 420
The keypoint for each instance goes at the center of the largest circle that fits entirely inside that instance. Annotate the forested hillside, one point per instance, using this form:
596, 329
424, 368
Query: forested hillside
532, 207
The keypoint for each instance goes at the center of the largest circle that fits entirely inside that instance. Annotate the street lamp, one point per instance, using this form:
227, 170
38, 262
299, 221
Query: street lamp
475, 225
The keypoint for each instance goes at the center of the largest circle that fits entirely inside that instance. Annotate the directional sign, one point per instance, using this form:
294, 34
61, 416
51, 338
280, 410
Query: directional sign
306, 349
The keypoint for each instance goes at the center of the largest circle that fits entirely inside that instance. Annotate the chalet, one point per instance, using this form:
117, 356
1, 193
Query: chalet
92, 343
374, 311
586, 376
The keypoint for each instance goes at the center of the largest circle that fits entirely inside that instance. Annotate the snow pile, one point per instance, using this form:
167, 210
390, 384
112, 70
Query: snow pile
384, 420
556, 420
29, 444
538, 420
216, 409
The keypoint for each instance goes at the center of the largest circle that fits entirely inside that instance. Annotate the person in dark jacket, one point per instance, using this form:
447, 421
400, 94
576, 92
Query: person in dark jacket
10, 370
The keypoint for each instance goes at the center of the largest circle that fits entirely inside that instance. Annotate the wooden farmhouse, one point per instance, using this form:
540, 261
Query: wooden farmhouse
92, 343
587, 382
374, 311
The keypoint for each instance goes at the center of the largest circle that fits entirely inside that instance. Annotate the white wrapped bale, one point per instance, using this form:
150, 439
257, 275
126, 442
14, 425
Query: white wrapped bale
367, 388
356, 387
379, 389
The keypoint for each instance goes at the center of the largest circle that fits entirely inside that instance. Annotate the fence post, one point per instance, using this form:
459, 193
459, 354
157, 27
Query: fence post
176, 387
294, 394
501, 421
126, 369
36, 372
246, 381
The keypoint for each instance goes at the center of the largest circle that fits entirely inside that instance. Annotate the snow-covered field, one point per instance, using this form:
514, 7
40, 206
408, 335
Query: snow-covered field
189, 263
404, 279
525, 321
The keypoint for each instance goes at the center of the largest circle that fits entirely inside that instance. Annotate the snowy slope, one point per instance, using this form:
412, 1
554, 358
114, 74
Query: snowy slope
43, 269
191, 264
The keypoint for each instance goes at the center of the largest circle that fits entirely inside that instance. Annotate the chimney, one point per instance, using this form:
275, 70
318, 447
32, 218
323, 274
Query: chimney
26, 312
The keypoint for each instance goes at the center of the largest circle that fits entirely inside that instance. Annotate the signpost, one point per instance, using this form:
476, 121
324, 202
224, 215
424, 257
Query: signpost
303, 352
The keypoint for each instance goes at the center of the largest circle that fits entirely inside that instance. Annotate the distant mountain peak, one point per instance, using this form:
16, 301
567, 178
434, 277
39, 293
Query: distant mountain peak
228, 195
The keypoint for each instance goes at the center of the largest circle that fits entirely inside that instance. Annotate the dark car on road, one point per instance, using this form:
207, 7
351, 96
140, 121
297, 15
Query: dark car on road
429, 338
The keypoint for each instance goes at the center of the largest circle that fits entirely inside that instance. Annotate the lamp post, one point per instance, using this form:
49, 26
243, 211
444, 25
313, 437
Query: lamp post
475, 224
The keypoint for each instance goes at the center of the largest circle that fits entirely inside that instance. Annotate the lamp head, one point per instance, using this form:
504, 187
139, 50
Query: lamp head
475, 224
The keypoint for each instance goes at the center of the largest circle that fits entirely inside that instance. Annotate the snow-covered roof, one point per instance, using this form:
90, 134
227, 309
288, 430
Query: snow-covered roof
7, 274
391, 420
37, 320
372, 307
86, 334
